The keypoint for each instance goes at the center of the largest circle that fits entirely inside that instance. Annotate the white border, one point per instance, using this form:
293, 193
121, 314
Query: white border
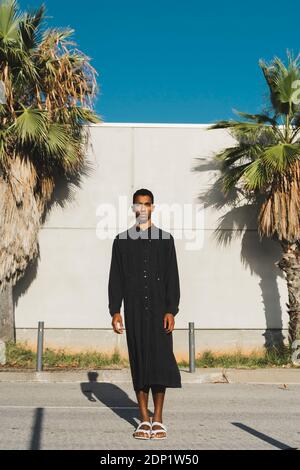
143, 124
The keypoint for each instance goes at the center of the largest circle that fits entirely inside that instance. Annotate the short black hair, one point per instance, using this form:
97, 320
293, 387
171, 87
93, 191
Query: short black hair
143, 192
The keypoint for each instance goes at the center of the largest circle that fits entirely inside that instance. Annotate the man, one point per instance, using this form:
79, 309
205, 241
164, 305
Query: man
144, 273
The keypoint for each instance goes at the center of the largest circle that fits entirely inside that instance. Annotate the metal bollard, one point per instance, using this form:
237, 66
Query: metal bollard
191, 347
40, 345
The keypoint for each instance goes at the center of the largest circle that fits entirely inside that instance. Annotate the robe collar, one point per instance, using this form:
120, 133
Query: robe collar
150, 232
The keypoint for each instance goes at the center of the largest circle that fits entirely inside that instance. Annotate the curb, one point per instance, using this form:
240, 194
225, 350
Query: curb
201, 375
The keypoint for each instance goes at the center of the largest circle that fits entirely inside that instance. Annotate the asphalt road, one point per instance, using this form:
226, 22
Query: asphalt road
104, 416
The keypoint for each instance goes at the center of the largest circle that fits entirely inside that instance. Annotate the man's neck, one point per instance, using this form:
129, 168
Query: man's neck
144, 226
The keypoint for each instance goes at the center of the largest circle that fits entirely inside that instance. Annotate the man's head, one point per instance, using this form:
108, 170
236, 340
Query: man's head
143, 205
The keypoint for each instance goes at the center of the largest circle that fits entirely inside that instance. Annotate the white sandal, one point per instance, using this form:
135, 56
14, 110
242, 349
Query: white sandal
155, 431
147, 431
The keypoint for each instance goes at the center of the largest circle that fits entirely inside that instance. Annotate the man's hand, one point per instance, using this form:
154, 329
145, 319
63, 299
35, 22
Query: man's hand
169, 322
117, 323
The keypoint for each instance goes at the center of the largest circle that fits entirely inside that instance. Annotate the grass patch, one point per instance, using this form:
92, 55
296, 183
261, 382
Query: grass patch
20, 356
271, 358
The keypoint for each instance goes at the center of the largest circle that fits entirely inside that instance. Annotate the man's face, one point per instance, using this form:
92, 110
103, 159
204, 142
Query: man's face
143, 207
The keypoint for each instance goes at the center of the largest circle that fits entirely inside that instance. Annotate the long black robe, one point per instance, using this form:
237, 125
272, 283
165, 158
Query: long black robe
144, 274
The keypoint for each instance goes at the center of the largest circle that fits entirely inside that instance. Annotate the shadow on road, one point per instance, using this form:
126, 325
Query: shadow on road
113, 397
37, 427
270, 440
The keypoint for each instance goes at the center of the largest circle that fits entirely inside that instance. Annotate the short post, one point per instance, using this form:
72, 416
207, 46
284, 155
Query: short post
191, 346
2, 353
40, 345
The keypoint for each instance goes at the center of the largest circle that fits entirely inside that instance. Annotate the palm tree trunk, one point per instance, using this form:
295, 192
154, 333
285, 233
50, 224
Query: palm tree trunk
7, 322
21, 210
290, 264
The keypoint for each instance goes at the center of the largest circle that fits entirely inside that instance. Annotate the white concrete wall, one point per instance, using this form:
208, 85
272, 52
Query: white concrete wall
233, 287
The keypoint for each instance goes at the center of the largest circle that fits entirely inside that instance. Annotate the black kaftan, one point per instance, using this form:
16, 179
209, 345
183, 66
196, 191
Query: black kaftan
144, 274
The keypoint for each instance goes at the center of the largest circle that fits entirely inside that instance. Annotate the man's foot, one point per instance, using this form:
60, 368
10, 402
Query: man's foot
143, 430
159, 430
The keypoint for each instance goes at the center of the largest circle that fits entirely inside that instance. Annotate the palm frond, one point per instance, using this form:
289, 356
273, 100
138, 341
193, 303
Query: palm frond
259, 118
256, 176
30, 125
29, 27
9, 22
280, 157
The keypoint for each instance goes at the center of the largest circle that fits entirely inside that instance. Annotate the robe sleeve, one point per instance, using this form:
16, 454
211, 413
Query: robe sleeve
115, 283
172, 280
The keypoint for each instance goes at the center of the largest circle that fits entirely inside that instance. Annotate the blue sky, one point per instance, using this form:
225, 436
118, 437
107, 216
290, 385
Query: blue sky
171, 61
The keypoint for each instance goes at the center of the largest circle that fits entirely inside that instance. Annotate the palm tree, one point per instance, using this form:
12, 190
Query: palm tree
49, 90
264, 169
